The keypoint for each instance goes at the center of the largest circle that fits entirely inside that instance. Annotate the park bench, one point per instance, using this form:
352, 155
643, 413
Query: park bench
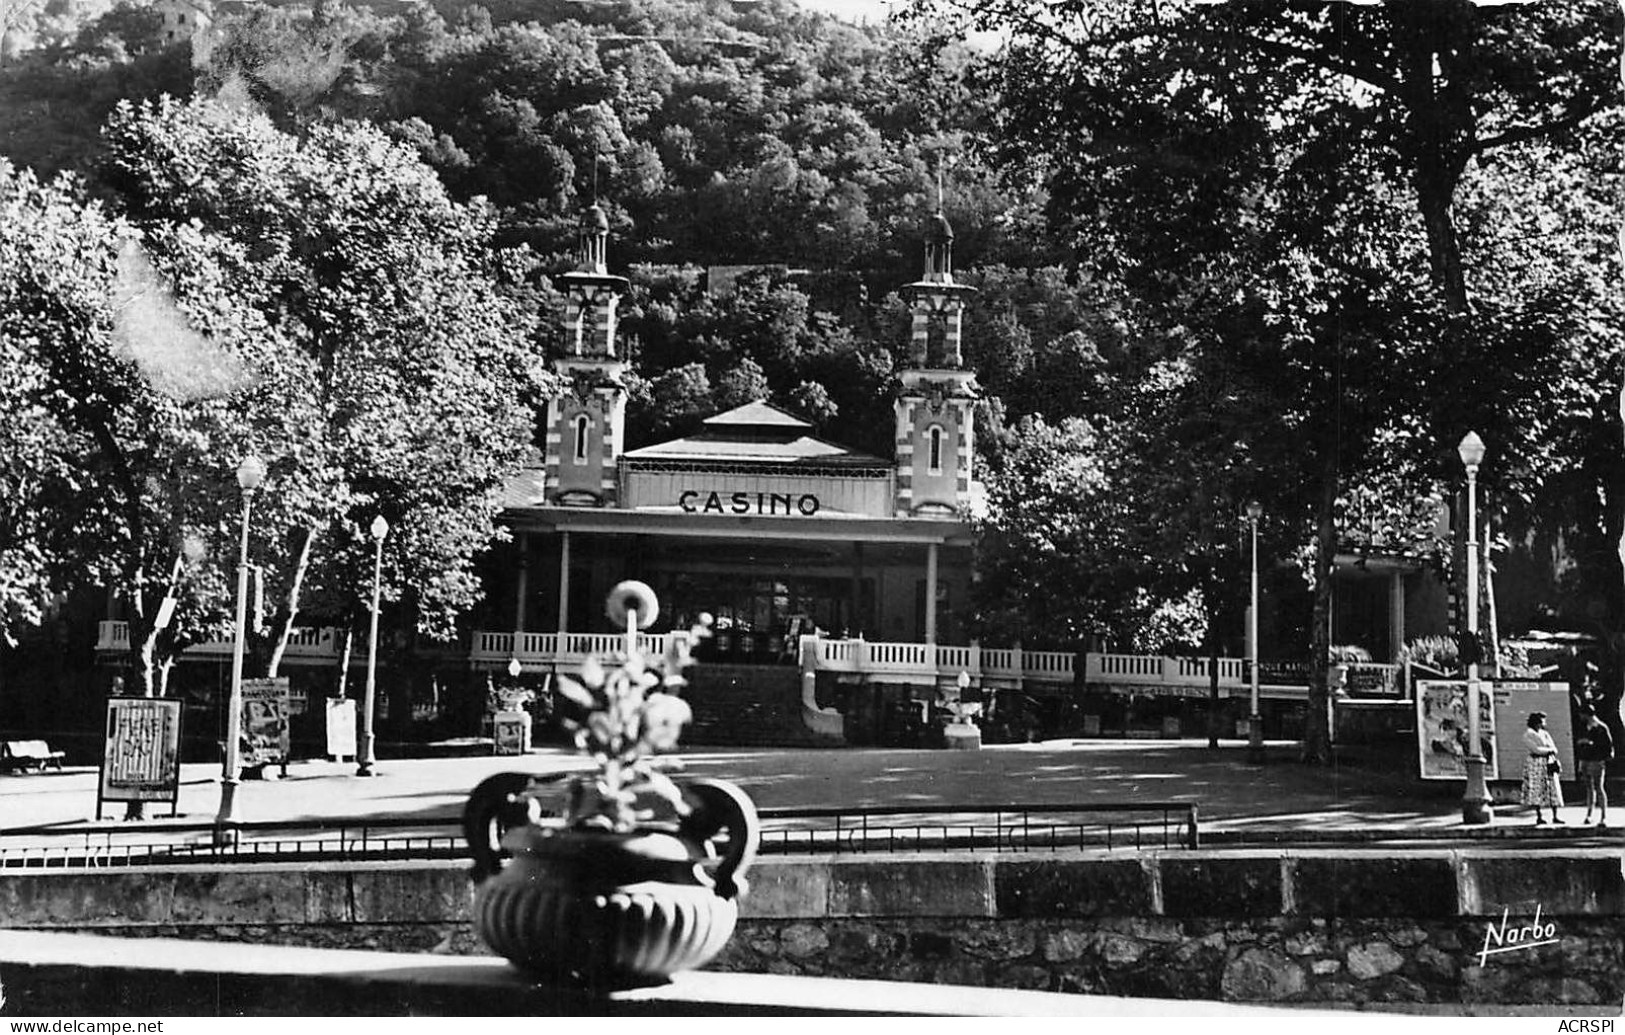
28, 755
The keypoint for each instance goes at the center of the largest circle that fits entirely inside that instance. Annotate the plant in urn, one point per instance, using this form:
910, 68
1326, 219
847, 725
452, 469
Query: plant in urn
641, 875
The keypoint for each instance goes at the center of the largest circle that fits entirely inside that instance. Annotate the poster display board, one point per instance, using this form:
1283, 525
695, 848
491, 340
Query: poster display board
1441, 728
265, 723
141, 755
341, 742
1513, 703
1374, 682
511, 732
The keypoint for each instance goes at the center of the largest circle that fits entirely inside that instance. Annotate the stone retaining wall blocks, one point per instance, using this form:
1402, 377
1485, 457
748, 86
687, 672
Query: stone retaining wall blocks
1560, 885
1373, 886
1059, 888
908, 887
1220, 887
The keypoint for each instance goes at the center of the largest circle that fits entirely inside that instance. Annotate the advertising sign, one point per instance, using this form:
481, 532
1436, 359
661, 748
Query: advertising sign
511, 732
1513, 703
1284, 672
141, 756
1441, 728
265, 722
1379, 681
341, 741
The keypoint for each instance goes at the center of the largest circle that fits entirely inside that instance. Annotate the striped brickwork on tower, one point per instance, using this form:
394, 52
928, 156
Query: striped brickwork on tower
937, 331
594, 306
610, 443
905, 455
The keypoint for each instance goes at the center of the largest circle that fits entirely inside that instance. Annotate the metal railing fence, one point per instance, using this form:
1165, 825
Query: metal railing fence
870, 829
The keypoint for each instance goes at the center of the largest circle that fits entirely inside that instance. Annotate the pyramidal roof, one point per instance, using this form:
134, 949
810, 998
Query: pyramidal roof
756, 414
756, 432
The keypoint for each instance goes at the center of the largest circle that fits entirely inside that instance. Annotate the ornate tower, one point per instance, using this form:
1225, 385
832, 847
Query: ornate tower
586, 425
935, 429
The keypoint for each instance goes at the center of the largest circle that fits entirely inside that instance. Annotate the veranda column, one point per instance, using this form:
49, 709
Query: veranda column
931, 593
855, 620
522, 544
564, 587
1396, 615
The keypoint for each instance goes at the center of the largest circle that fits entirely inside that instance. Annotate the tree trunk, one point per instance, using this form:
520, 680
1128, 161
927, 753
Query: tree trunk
292, 607
1434, 193
344, 659
145, 654
1489, 626
1317, 734
1440, 133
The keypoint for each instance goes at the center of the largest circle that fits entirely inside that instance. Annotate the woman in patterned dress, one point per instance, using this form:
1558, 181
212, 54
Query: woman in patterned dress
1540, 770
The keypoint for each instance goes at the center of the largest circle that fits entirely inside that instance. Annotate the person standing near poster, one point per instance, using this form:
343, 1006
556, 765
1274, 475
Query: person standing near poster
1541, 769
1595, 749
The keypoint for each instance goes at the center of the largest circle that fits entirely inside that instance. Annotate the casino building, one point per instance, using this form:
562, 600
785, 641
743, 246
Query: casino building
774, 531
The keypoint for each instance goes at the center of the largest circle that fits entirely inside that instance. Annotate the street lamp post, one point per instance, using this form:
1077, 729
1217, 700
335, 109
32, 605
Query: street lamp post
250, 475
380, 528
1255, 720
1475, 799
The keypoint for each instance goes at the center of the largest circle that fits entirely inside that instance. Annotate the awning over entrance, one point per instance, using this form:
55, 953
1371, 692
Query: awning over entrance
671, 521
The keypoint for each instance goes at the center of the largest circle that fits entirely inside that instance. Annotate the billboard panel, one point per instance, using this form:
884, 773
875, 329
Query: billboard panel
141, 755
1441, 728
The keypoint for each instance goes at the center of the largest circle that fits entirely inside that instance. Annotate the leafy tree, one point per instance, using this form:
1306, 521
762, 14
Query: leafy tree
416, 362
1051, 550
1279, 143
133, 404
742, 384
678, 400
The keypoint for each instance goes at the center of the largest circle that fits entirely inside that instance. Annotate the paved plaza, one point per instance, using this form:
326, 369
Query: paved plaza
1282, 800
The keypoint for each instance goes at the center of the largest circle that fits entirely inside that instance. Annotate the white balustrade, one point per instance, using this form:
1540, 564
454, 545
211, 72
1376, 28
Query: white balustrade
909, 661
954, 660
533, 646
1000, 661
1055, 664
489, 645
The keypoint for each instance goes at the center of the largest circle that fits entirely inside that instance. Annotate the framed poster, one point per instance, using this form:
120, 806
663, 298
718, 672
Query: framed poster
265, 723
141, 754
1441, 728
1513, 703
341, 741
1380, 682
511, 733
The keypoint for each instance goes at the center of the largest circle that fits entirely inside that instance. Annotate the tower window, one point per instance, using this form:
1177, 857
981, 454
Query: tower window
582, 424
934, 448
180, 19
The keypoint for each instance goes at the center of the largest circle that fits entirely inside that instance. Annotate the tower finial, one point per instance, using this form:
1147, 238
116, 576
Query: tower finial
941, 159
597, 156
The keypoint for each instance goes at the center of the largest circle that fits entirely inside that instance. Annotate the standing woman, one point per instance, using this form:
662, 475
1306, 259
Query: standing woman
1540, 770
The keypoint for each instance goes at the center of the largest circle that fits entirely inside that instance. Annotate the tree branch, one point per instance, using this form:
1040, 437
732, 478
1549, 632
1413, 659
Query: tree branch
1523, 134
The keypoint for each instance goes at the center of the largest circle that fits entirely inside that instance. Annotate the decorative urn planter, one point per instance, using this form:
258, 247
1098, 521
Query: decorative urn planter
599, 907
641, 876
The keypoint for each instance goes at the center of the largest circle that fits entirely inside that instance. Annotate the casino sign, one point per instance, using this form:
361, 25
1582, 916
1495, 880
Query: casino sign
699, 501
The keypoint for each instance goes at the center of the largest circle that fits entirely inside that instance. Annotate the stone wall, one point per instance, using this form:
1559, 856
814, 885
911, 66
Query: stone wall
1240, 926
